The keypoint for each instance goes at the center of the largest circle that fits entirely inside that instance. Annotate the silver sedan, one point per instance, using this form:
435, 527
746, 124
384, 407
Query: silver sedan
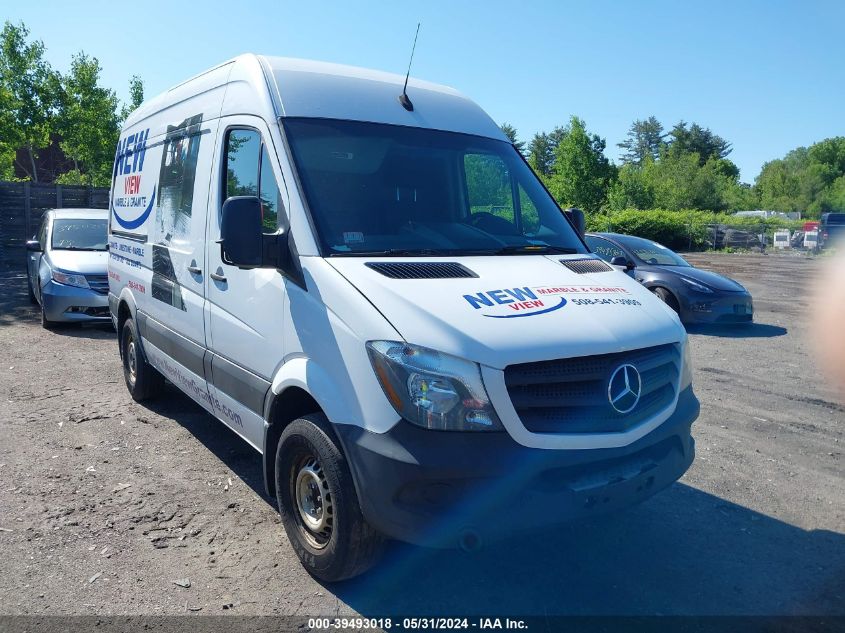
67, 266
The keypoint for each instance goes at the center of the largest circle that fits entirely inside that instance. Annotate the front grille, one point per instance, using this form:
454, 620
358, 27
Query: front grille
571, 395
98, 283
586, 265
422, 270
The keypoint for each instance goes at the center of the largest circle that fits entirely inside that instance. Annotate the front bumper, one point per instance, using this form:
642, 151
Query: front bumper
718, 308
69, 303
435, 488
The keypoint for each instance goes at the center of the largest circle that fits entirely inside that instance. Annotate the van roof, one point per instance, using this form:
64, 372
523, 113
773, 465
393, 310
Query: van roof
333, 91
304, 88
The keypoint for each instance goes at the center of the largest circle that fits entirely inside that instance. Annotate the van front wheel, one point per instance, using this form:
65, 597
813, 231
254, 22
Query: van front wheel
318, 504
142, 380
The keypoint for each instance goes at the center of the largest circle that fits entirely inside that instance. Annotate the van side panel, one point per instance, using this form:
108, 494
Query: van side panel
326, 328
158, 206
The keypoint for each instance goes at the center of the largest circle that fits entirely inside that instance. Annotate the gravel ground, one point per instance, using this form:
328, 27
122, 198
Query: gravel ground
109, 507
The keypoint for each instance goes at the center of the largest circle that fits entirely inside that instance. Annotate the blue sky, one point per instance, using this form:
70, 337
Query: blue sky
767, 76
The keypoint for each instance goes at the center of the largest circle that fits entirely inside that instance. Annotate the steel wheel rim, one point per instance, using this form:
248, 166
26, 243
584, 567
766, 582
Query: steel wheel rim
313, 500
131, 359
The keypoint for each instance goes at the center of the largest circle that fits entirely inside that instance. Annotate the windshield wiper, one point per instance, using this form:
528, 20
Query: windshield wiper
534, 249
521, 249
398, 252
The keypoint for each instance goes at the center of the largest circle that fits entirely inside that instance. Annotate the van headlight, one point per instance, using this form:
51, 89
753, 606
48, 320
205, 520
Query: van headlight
431, 389
686, 369
69, 279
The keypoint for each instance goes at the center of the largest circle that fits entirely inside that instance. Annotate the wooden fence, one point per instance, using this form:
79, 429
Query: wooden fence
22, 204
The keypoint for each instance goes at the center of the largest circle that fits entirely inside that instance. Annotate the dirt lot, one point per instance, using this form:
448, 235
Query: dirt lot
107, 507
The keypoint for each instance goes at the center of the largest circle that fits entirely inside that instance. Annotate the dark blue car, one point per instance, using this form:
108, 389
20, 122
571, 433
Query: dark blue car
698, 296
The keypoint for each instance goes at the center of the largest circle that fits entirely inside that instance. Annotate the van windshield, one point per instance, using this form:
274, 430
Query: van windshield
377, 189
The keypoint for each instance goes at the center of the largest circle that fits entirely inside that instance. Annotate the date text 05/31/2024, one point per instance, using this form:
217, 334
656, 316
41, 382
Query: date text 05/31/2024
423, 624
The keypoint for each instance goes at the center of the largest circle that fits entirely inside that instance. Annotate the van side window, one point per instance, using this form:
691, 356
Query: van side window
242, 152
249, 172
271, 196
177, 176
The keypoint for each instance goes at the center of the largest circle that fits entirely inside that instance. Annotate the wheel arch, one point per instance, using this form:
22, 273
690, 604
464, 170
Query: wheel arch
326, 387
285, 407
658, 284
126, 309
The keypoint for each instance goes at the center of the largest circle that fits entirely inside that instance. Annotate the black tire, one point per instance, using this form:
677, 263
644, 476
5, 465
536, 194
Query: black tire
345, 545
142, 380
30, 291
45, 322
668, 298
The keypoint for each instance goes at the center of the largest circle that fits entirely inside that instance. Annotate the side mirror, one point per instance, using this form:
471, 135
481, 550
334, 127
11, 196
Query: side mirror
241, 239
33, 246
576, 217
619, 260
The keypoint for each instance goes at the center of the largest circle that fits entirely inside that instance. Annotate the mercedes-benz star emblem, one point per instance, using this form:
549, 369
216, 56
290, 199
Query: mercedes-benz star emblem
624, 388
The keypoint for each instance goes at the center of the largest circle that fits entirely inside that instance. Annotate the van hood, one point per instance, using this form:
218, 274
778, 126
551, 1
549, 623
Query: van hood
85, 262
516, 309
714, 280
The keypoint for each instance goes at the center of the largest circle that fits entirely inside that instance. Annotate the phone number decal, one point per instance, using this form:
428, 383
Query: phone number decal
581, 301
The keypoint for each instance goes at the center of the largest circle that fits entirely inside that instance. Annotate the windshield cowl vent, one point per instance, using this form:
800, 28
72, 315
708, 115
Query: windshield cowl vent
422, 270
586, 265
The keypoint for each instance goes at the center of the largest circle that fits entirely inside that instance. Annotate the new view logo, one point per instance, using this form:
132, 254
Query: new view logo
509, 303
129, 162
130, 153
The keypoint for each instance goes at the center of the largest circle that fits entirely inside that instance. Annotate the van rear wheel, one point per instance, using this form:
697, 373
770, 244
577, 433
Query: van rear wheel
142, 380
318, 503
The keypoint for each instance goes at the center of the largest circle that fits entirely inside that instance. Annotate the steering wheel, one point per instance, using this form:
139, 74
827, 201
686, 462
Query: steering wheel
492, 224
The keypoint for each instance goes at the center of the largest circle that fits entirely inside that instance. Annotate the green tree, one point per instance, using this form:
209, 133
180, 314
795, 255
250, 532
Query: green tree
89, 123
31, 93
644, 140
740, 196
541, 154
631, 189
511, 133
806, 179
7, 149
831, 154
581, 171
791, 183
697, 140
680, 181
541, 151
136, 97
833, 197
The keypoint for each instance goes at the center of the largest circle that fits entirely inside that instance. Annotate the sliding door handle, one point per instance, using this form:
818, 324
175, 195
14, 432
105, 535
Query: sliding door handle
218, 277
194, 270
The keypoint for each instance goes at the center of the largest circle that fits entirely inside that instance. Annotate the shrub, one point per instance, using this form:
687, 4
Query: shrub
682, 230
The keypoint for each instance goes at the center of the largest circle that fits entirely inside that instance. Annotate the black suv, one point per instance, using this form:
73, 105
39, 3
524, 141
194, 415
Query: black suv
831, 228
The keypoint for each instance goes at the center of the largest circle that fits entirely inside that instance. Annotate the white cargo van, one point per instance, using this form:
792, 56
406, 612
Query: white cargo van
382, 299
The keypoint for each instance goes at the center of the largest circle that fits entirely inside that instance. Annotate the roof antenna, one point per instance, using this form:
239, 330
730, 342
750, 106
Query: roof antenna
403, 98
